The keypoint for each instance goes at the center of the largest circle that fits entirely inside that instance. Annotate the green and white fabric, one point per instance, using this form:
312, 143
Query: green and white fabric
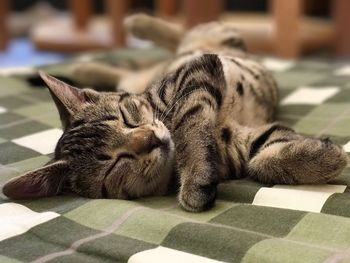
251, 222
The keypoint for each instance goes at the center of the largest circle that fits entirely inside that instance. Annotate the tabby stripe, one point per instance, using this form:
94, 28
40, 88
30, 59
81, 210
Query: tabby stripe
236, 168
259, 98
188, 89
109, 118
241, 160
208, 102
97, 127
181, 147
256, 76
281, 140
231, 167
212, 65
239, 88
211, 147
212, 154
75, 126
177, 73
188, 114
185, 77
161, 91
234, 43
123, 96
261, 140
209, 63
149, 98
192, 125
87, 135
156, 109
226, 135
77, 123
104, 192
194, 85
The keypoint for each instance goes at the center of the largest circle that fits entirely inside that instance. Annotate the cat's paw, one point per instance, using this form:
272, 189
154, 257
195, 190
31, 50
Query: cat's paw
134, 21
196, 198
301, 161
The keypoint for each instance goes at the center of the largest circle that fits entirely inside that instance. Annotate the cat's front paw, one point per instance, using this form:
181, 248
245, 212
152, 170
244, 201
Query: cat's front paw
196, 198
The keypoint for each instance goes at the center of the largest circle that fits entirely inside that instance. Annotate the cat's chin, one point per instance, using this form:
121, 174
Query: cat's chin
165, 168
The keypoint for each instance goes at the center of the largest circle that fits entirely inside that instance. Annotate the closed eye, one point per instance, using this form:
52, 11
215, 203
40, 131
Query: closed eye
127, 124
125, 156
103, 157
78, 123
110, 118
119, 158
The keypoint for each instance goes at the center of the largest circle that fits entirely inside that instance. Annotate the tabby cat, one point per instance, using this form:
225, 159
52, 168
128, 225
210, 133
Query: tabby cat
206, 116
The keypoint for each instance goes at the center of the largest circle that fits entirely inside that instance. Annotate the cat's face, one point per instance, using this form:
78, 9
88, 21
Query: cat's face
112, 147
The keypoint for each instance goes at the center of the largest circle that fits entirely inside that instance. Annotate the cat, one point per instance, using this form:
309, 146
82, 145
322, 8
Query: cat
203, 117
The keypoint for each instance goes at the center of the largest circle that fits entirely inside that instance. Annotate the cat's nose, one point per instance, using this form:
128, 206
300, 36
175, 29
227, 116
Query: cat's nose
154, 142
145, 142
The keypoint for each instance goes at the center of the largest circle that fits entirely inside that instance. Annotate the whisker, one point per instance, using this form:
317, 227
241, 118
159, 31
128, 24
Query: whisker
149, 168
167, 112
167, 106
177, 101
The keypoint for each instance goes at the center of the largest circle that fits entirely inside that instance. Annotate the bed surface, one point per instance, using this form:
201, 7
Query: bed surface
251, 222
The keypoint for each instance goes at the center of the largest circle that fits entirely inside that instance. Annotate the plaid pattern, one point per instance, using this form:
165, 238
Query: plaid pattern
251, 222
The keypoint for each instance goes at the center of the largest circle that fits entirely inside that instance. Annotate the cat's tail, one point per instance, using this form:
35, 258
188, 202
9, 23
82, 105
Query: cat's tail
162, 33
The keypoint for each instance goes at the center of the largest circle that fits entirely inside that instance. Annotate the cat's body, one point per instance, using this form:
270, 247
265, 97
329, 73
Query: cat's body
207, 116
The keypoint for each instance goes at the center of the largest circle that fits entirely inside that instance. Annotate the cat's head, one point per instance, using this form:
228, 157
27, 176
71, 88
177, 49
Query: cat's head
111, 147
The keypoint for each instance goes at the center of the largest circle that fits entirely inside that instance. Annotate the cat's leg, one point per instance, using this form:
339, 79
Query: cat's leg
138, 81
98, 75
161, 32
196, 155
193, 126
101, 76
104, 77
278, 155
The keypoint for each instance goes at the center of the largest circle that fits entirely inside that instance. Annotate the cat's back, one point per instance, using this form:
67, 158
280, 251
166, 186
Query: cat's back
248, 90
251, 91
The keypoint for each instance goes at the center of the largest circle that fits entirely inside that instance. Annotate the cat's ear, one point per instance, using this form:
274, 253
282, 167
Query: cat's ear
68, 99
43, 182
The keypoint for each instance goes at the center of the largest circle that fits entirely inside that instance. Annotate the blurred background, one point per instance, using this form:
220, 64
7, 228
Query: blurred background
42, 32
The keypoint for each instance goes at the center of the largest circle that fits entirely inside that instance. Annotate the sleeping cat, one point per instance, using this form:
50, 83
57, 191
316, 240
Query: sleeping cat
206, 116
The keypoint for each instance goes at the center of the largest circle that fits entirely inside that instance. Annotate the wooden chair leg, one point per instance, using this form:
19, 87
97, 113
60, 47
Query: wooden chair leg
165, 8
286, 15
81, 11
196, 11
341, 15
4, 34
117, 10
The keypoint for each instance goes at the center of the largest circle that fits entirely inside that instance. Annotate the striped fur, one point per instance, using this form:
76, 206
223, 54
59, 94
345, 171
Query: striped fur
206, 116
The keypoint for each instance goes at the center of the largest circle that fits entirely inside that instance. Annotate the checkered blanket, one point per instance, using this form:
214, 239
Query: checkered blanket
251, 222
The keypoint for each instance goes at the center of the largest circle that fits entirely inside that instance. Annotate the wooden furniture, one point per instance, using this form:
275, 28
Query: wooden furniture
83, 32
286, 31
196, 12
4, 34
341, 14
296, 37
80, 31
287, 15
